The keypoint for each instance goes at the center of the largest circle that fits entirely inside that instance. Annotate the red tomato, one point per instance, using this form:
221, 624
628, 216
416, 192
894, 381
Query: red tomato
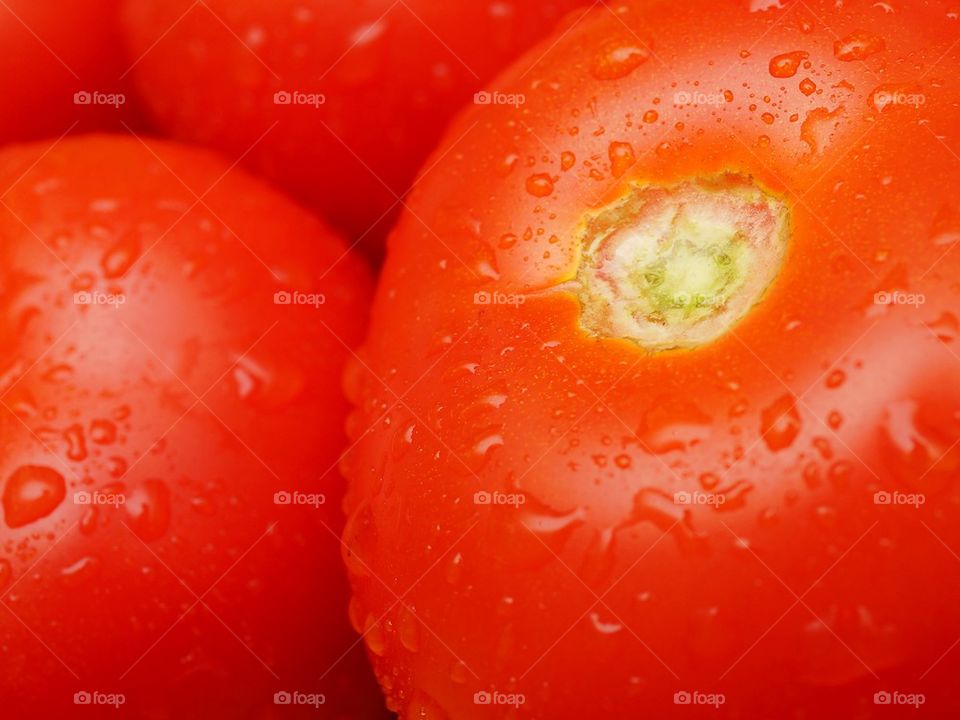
170, 335
62, 68
369, 86
661, 401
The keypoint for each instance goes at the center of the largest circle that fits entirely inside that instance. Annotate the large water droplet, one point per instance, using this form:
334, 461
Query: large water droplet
148, 509
780, 423
32, 492
858, 45
787, 64
617, 59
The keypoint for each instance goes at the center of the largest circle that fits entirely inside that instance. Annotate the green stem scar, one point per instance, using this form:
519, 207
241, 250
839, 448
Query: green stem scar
678, 266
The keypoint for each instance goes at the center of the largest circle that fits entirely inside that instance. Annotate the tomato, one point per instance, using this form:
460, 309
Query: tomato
660, 404
171, 334
368, 86
62, 69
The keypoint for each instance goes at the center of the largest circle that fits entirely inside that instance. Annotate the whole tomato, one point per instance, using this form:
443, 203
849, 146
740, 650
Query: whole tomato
660, 409
171, 334
337, 102
62, 69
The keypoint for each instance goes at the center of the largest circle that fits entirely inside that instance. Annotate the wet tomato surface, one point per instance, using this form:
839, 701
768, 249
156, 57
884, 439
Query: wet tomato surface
661, 401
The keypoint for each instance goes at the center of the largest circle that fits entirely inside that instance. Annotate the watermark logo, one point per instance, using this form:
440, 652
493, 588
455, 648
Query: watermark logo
99, 698
695, 697
99, 298
314, 700
295, 97
283, 297
899, 298
498, 698
883, 497
698, 498
498, 298
884, 98
299, 498
94, 97
698, 98
98, 497
496, 497
485, 97
899, 698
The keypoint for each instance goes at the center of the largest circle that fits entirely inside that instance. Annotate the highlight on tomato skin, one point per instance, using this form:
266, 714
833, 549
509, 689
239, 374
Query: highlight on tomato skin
659, 412
172, 332
337, 102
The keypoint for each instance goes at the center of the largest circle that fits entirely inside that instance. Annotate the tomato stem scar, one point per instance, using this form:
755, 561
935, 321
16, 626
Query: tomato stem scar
677, 266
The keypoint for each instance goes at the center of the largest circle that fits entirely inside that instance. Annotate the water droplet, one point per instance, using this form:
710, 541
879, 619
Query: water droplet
103, 432
507, 241
76, 444
622, 157
78, 567
617, 59
32, 492
787, 64
835, 379
808, 87
767, 118
6, 573
567, 160
148, 509
672, 425
946, 327
818, 127
409, 630
604, 627
121, 257
373, 635
780, 423
858, 45
540, 185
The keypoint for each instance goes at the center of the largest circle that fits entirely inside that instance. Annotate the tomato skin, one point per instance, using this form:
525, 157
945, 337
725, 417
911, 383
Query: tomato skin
803, 595
54, 49
196, 399
392, 76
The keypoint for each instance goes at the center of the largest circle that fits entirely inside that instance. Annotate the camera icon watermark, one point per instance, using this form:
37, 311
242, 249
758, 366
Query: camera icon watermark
85, 697
492, 97
484, 297
296, 97
295, 497
295, 697
899, 298
485, 697
285, 297
698, 497
894, 697
98, 497
695, 697
882, 497
498, 498
99, 298
95, 97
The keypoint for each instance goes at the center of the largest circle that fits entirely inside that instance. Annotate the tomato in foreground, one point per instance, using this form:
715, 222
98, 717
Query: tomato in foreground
62, 69
171, 334
337, 102
660, 408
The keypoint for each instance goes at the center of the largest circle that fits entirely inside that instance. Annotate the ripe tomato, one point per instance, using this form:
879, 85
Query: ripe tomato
62, 69
369, 86
156, 397
663, 409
